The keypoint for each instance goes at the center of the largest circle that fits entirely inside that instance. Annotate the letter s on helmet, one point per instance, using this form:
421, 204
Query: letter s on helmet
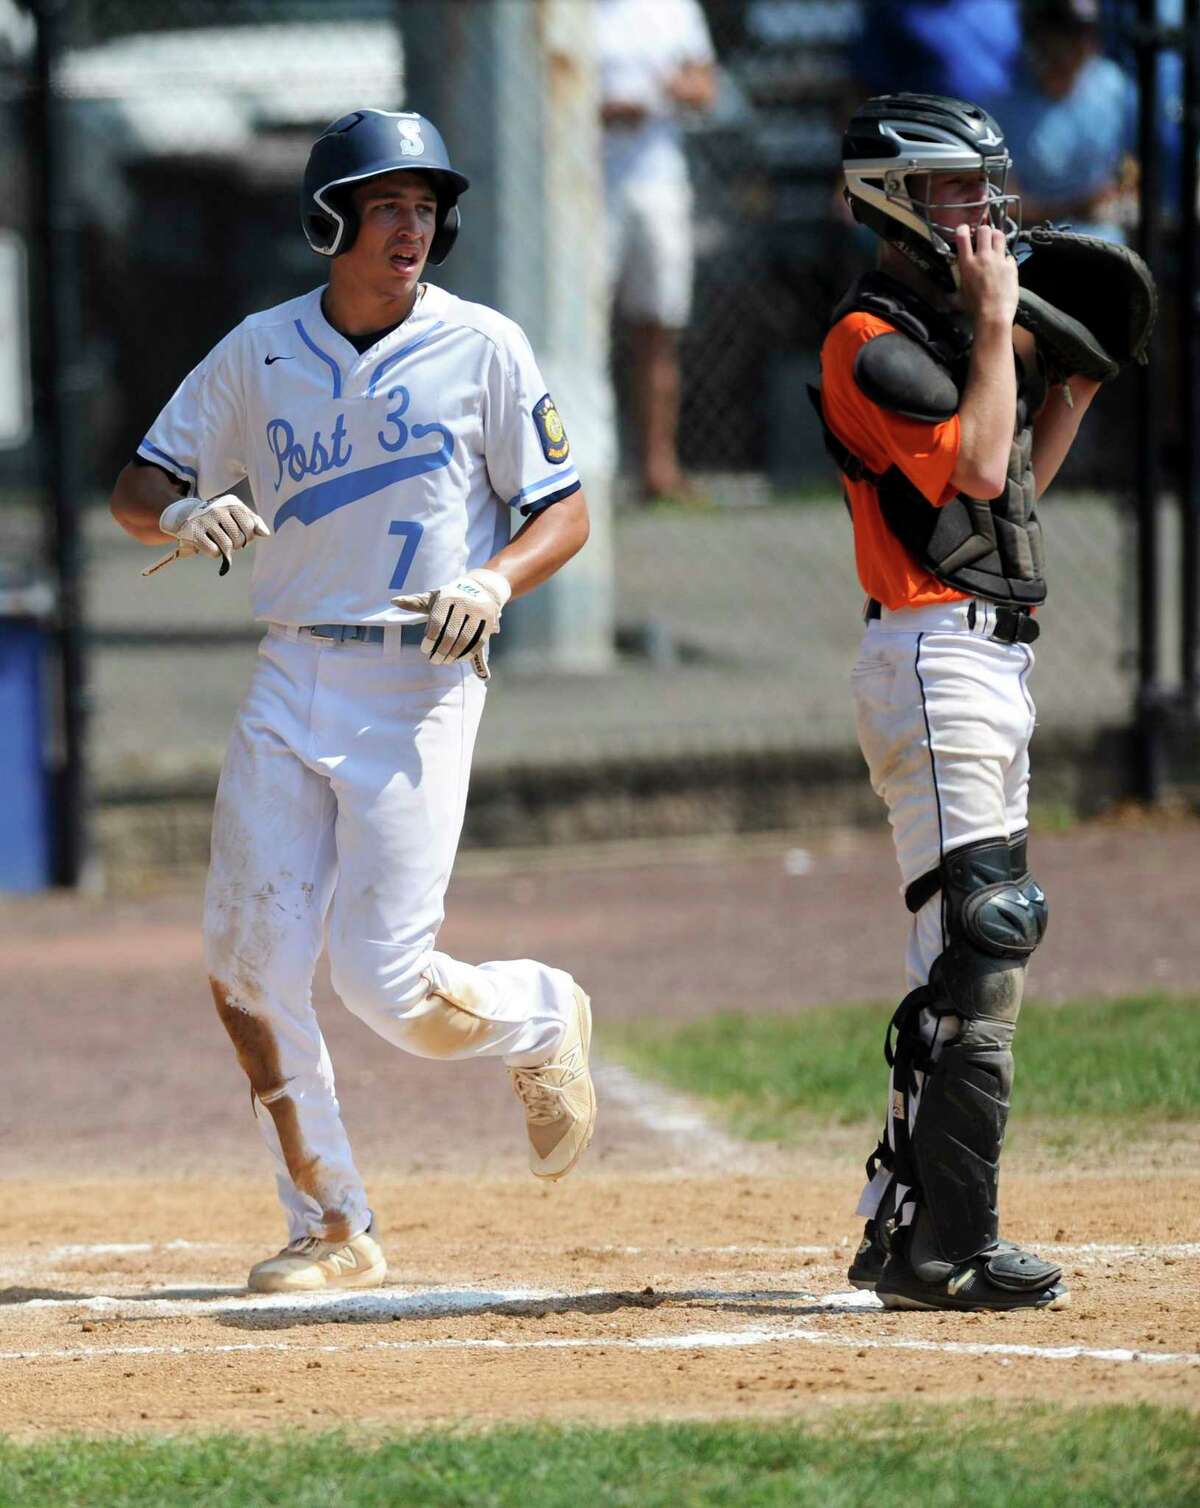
895, 138
363, 145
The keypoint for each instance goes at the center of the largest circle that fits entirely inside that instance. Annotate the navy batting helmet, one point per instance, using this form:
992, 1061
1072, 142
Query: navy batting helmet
363, 145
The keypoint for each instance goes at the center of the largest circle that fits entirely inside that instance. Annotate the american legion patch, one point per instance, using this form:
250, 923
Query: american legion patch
555, 445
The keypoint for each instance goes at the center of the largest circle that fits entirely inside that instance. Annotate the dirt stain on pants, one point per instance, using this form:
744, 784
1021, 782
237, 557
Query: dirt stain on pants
258, 1053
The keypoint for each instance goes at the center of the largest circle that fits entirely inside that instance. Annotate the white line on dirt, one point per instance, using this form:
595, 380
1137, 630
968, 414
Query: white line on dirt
1085, 1250
722, 1251
1178, 1250
672, 1115
695, 1341
122, 1248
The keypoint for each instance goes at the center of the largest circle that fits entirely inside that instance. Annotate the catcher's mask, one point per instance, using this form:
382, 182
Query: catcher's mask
893, 146
366, 144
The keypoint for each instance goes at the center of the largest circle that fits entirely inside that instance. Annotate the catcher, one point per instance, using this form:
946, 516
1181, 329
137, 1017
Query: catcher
954, 379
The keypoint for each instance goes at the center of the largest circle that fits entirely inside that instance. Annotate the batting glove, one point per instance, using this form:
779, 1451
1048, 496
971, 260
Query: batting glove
215, 528
462, 617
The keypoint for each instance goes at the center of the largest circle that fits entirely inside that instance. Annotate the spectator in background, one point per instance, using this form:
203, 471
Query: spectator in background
656, 63
967, 49
1070, 118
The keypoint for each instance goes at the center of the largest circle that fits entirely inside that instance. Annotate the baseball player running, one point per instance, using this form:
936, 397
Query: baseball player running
951, 392
388, 432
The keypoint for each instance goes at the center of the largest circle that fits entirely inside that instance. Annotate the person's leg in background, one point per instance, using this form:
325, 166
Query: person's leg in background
654, 295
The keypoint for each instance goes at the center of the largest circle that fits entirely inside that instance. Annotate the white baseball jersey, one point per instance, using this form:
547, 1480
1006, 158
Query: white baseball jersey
394, 470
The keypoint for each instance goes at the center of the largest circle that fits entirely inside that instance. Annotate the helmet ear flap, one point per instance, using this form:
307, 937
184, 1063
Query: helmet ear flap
331, 230
321, 232
445, 236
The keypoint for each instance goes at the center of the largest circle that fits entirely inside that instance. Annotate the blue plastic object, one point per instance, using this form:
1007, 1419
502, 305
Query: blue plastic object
25, 847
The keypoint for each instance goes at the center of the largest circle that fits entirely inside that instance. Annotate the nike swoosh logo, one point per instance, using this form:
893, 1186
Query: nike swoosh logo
271, 359
960, 1282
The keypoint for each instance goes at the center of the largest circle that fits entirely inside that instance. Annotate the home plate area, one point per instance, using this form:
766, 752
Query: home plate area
500, 1304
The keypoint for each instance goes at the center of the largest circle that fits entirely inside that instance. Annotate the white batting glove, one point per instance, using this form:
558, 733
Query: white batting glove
462, 617
218, 527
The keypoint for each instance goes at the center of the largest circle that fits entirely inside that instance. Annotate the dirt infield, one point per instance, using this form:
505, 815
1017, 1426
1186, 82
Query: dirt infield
678, 1273
629, 1297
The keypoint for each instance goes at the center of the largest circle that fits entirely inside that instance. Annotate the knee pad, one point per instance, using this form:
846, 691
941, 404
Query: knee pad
1018, 858
992, 900
994, 918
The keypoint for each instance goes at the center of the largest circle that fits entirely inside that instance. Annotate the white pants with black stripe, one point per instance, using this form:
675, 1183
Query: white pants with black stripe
944, 720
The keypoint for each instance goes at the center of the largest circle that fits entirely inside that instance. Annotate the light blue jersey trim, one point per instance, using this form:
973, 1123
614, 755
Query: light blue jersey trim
558, 481
325, 357
389, 362
177, 466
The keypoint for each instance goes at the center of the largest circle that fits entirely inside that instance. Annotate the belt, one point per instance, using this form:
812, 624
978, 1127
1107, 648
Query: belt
1011, 625
363, 633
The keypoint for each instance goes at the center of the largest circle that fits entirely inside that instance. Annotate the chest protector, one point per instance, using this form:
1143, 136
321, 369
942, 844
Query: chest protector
990, 548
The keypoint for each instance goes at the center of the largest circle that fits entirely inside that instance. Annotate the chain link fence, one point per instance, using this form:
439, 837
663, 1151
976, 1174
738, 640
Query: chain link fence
738, 614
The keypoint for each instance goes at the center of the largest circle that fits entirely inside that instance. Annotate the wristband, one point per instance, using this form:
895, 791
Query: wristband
493, 582
175, 515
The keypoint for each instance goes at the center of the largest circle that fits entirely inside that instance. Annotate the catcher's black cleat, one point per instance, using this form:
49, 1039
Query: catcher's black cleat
868, 1259
1003, 1277
867, 1266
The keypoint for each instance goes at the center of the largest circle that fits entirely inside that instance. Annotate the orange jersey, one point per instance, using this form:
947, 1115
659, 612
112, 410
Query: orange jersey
926, 453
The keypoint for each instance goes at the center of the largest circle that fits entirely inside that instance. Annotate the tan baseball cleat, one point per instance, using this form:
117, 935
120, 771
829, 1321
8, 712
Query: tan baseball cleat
560, 1099
310, 1263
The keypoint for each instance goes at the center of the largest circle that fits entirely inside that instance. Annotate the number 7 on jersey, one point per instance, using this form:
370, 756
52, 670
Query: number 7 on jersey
411, 534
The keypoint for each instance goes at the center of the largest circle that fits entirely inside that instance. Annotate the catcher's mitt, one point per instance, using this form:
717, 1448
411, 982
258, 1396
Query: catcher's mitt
1089, 303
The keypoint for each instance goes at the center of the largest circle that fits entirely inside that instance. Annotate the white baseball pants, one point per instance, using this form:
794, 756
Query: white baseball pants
944, 721
337, 819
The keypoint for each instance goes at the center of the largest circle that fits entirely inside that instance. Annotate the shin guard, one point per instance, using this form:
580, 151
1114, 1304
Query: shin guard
994, 919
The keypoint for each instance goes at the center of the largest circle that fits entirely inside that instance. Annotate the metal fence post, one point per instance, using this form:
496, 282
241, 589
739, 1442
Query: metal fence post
529, 141
57, 389
1189, 304
1148, 714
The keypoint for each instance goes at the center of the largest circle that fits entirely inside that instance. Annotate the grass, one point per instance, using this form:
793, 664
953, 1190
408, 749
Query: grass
777, 1076
1029, 1457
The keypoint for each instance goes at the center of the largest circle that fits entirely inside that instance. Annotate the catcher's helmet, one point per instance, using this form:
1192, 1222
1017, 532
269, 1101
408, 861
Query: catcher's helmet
363, 145
897, 136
